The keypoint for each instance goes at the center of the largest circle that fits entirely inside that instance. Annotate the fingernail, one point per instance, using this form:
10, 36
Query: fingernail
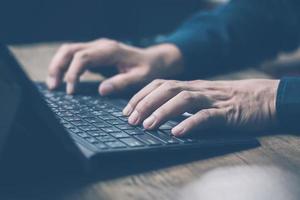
178, 130
127, 110
70, 88
149, 122
106, 88
134, 118
51, 82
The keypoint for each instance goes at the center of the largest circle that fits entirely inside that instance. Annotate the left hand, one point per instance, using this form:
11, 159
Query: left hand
244, 104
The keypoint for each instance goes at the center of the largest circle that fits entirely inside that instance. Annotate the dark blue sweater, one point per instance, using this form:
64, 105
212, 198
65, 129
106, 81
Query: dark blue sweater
243, 33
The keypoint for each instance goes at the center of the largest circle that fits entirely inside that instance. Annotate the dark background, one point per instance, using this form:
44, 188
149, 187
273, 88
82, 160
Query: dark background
47, 20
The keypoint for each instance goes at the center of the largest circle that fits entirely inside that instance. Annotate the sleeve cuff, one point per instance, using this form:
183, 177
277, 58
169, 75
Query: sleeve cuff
288, 103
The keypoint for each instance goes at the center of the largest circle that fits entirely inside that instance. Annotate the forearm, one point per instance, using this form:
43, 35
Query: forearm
239, 34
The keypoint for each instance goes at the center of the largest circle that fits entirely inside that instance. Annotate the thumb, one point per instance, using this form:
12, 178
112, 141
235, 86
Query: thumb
119, 83
202, 120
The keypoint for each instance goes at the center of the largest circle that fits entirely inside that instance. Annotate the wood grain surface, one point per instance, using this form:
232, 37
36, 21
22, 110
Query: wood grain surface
162, 183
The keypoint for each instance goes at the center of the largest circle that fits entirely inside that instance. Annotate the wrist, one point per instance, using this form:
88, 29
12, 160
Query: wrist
168, 58
272, 103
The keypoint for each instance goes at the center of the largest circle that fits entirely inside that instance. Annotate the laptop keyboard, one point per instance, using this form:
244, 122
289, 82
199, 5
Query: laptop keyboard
99, 122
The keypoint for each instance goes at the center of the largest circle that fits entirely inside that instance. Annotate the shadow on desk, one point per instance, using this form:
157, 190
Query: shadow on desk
111, 168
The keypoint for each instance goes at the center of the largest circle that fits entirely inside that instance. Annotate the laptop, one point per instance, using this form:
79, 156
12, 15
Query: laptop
44, 130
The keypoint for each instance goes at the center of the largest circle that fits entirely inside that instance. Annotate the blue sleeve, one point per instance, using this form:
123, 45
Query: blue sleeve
288, 103
239, 34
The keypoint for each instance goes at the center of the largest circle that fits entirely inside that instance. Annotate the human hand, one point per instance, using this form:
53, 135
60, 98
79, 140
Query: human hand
136, 66
240, 105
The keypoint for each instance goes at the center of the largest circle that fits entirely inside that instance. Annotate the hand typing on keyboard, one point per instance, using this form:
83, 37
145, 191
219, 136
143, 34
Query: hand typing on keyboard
97, 121
248, 105
136, 66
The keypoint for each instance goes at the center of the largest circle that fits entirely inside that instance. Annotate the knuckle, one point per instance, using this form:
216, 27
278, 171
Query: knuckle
71, 78
53, 71
160, 113
172, 86
82, 57
143, 107
66, 46
157, 81
101, 40
108, 42
187, 96
206, 114
66, 51
195, 82
192, 122
133, 101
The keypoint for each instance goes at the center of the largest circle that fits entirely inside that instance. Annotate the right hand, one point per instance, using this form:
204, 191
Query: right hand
136, 66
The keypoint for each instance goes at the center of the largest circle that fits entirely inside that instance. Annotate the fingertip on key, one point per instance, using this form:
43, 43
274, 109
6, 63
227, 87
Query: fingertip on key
149, 123
127, 110
106, 89
51, 83
134, 118
178, 130
70, 88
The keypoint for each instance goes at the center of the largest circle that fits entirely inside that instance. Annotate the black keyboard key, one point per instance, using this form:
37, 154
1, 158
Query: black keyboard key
134, 132
115, 144
106, 138
90, 119
117, 114
110, 129
148, 140
167, 132
67, 125
125, 127
172, 122
173, 140
91, 140
83, 135
119, 134
101, 124
98, 113
188, 140
88, 128
72, 119
80, 123
95, 101
64, 114
132, 142
101, 145
96, 133
124, 119
112, 110
116, 122
106, 117
167, 139
74, 130
75, 111
166, 126
104, 106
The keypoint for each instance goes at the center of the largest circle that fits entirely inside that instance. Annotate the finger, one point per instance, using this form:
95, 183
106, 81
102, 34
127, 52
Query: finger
119, 83
60, 63
140, 95
81, 61
181, 103
153, 100
102, 53
202, 120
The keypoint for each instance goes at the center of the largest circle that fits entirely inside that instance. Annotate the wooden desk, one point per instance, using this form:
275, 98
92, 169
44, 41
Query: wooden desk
282, 151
